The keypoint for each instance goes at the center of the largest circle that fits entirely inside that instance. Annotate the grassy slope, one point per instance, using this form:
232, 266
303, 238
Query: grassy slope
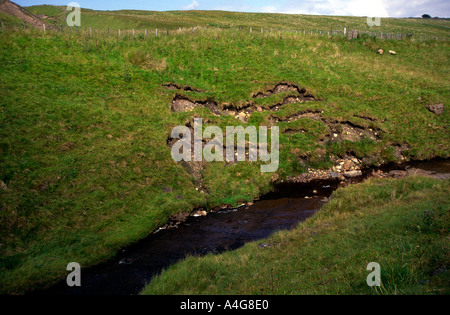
381, 221
84, 123
10, 21
128, 19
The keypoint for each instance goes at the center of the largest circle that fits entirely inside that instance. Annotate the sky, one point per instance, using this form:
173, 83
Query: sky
373, 8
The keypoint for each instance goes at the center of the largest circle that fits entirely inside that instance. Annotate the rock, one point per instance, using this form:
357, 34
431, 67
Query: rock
348, 164
200, 213
436, 109
179, 217
334, 175
398, 173
264, 245
167, 189
3, 185
274, 177
125, 261
353, 173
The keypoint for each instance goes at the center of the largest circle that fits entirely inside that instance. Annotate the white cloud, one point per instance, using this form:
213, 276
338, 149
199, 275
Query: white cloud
194, 5
415, 8
372, 8
336, 7
268, 9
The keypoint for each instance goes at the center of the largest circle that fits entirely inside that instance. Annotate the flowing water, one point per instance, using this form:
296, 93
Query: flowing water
228, 229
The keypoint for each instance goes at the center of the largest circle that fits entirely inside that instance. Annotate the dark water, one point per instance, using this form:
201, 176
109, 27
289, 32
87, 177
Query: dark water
282, 209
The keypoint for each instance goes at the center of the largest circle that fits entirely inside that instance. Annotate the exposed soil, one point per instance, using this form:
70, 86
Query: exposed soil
436, 109
284, 87
346, 130
182, 103
338, 131
186, 88
10, 8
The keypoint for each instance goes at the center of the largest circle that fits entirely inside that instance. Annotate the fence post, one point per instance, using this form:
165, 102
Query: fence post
61, 28
108, 32
250, 29
24, 25
43, 26
145, 34
90, 31
133, 31
167, 31
156, 32
119, 32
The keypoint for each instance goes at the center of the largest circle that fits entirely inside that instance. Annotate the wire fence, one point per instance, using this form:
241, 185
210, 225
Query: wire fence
117, 32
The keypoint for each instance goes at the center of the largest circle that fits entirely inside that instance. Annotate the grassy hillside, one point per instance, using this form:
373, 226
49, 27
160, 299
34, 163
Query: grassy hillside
400, 224
84, 122
129, 19
10, 21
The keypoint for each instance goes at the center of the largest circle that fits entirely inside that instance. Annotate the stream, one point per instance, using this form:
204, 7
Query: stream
227, 229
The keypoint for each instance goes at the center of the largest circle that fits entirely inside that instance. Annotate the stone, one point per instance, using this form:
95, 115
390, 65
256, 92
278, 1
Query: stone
436, 109
353, 173
3, 185
347, 165
200, 213
398, 173
167, 189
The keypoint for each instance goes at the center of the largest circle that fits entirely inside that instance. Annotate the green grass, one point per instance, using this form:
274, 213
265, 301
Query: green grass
129, 19
10, 21
84, 124
400, 224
